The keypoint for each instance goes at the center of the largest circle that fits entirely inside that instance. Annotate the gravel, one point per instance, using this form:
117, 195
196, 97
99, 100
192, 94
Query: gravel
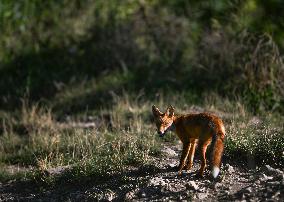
159, 182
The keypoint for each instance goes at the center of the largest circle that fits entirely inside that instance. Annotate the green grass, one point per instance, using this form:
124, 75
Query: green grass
122, 140
127, 137
260, 143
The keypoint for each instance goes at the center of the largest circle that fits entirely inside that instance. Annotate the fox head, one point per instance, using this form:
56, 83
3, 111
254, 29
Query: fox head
163, 120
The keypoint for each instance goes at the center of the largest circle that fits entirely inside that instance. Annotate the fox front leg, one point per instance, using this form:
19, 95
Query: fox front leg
184, 155
191, 154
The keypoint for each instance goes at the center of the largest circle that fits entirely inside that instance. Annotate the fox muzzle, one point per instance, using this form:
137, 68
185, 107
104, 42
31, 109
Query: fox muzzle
161, 134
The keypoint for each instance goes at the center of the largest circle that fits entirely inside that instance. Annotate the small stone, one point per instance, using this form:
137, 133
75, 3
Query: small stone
217, 185
143, 194
162, 183
278, 178
265, 177
272, 171
156, 181
227, 192
130, 195
202, 189
248, 190
109, 196
201, 196
172, 165
274, 183
206, 181
230, 168
192, 185
169, 152
276, 194
243, 196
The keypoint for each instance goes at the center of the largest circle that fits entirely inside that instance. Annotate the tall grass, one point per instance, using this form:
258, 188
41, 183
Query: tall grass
121, 139
253, 68
124, 135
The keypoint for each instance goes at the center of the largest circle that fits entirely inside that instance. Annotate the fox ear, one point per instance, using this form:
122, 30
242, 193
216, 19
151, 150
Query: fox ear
170, 111
156, 111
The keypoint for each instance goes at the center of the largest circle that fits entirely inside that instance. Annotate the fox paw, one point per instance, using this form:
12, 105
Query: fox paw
199, 175
188, 168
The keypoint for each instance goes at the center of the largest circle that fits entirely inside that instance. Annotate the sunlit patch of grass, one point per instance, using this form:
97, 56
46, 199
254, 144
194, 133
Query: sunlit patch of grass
261, 142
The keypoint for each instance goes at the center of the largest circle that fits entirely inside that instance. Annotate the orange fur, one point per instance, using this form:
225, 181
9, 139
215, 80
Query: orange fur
190, 128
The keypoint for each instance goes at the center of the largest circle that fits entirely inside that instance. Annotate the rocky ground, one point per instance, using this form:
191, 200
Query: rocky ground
160, 183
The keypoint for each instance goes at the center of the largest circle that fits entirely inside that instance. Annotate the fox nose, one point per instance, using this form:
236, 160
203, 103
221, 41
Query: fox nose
160, 134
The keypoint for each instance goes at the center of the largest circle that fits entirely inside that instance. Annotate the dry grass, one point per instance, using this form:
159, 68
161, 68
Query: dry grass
121, 139
124, 135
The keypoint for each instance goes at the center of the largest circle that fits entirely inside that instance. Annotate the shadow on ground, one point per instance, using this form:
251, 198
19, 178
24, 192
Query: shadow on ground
153, 182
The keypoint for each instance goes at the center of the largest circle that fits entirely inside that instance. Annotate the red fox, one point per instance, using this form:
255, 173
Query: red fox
203, 128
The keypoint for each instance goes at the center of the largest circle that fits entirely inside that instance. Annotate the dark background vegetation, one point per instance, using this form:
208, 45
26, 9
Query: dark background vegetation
74, 54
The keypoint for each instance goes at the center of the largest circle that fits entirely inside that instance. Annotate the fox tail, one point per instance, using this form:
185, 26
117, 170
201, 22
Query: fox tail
218, 148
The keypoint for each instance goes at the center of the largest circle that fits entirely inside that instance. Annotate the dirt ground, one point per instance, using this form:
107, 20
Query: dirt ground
160, 183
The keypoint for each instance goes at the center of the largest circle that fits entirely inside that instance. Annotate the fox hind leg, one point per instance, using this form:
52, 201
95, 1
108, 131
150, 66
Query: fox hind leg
204, 146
